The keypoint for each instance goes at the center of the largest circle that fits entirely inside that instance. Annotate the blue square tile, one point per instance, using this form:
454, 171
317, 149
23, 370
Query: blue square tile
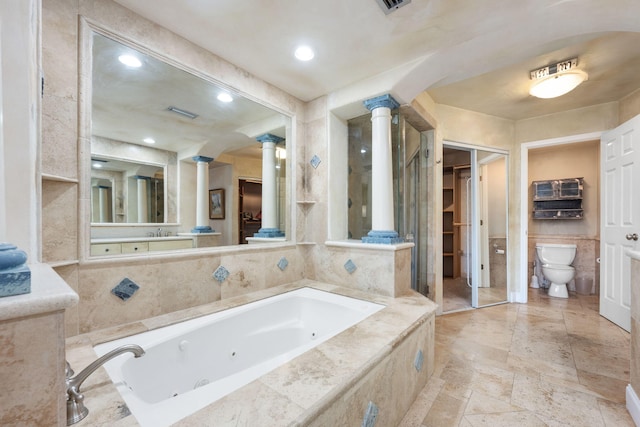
350, 266
315, 161
125, 289
419, 361
283, 263
221, 274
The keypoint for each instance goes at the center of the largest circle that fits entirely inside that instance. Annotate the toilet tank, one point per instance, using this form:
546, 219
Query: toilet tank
555, 253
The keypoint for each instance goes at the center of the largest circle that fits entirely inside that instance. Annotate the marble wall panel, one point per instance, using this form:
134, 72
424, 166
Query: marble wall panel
166, 285
384, 272
30, 370
59, 219
498, 262
69, 274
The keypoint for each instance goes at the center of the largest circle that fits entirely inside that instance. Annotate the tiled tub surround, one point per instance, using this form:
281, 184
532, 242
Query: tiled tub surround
331, 384
585, 263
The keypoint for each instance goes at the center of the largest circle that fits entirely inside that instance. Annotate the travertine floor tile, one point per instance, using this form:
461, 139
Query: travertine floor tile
551, 362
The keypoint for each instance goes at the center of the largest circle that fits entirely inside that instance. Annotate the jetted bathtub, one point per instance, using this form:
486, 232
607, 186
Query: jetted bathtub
194, 363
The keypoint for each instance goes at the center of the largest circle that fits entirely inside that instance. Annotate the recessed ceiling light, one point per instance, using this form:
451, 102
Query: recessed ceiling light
304, 53
130, 61
149, 140
225, 97
97, 165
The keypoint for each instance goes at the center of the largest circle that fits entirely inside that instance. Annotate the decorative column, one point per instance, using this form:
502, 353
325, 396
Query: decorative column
269, 224
103, 203
143, 198
382, 218
202, 195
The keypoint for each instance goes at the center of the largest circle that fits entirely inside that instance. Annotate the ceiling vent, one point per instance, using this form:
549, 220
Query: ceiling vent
183, 112
389, 6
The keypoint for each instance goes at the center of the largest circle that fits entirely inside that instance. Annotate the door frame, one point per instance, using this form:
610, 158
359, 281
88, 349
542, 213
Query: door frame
475, 244
520, 292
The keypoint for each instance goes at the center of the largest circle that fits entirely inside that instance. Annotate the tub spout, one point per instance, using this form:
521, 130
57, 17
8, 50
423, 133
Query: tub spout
76, 410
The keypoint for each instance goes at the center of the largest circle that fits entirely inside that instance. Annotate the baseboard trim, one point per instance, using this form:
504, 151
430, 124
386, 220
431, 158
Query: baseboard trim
633, 405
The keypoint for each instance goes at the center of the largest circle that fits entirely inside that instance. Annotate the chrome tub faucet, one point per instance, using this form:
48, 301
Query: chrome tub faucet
76, 411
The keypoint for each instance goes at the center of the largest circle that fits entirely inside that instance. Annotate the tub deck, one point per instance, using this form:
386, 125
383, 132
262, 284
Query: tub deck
375, 360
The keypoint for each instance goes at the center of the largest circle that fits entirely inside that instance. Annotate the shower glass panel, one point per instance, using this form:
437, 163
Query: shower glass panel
409, 183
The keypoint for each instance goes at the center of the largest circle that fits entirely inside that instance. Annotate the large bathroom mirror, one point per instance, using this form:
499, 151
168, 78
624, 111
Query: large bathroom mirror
149, 119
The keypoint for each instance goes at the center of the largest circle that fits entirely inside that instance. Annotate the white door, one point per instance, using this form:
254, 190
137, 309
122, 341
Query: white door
620, 218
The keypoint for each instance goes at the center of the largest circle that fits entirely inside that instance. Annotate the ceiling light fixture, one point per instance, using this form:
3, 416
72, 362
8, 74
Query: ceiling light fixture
304, 53
130, 61
557, 79
225, 97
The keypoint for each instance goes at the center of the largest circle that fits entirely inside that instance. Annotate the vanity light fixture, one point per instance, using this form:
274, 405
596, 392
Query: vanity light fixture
130, 61
557, 79
149, 140
225, 97
304, 53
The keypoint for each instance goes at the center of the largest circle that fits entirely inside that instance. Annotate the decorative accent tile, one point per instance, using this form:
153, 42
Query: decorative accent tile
350, 266
370, 415
221, 274
419, 361
315, 161
125, 289
283, 263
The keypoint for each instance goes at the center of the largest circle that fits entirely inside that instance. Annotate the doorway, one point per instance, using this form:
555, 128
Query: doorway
249, 208
475, 224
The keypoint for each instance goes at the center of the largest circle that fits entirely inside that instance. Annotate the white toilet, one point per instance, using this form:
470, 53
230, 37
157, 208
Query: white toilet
556, 266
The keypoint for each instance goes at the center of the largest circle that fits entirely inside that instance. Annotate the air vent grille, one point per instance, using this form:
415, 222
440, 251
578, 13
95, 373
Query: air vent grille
183, 112
389, 6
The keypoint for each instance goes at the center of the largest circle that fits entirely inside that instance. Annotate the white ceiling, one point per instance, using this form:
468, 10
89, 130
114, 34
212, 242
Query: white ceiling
470, 54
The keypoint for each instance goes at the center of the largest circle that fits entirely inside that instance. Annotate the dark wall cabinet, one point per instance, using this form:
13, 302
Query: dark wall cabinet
558, 199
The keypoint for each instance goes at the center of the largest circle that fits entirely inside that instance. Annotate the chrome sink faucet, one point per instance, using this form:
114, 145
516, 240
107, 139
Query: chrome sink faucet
76, 411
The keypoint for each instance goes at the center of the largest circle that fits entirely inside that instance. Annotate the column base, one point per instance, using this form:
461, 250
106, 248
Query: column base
383, 237
269, 232
202, 229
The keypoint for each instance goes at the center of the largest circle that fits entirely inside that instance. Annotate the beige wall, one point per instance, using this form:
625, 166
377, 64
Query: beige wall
568, 161
567, 123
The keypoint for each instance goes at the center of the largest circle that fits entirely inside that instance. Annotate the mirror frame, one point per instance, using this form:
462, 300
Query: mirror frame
87, 28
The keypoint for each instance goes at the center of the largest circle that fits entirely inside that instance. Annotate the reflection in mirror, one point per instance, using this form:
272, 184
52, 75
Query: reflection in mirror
149, 120
123, 191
